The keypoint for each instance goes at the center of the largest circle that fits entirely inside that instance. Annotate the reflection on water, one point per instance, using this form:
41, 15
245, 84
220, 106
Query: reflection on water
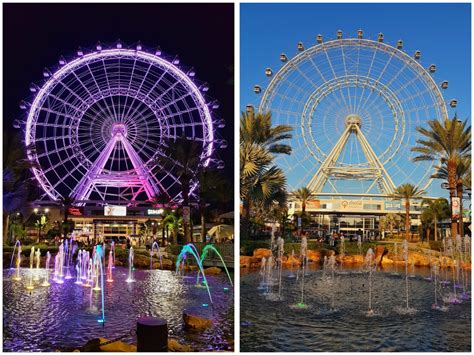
336, 318
63, 316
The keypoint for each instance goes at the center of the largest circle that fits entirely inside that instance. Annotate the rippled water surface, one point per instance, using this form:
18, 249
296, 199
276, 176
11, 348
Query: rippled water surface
64, 316
336, 318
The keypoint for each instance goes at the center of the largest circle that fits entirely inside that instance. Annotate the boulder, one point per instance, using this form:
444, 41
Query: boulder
387, 261
313, 255
195, 321
262, 253
94, 345
141, 261
466, 266
379, 251
347, 260
255, 261
358, 259
244, 261
212, 271
175, 346
418, 259
295, 261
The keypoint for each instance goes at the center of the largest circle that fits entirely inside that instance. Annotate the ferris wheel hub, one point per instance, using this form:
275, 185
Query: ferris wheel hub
119, 129
353, 119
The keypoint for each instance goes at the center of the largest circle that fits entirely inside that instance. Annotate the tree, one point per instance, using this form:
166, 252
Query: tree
16, 183
172, 222
433, 211
183, 155
407, 192
463, 181
208, 179
445, 141
303, 194
257, 128
392, 220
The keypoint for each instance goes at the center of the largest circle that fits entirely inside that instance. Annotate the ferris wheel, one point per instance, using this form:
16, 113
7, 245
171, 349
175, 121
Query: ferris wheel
354, 105
98, 124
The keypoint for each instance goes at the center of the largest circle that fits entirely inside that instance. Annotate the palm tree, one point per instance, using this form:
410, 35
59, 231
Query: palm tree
445, 141
16, 182
209, 179
184, 155
172, 222
463, 181
434, 210
257, 128
407, 192
66, 204
303, 194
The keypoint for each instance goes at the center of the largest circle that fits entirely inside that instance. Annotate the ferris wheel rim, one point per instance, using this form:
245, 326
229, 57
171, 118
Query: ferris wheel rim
81, 61
368, 43
432, 89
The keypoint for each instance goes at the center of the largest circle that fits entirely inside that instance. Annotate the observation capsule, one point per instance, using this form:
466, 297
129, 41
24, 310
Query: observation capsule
257, 89
339, 34
283, 57
319, 39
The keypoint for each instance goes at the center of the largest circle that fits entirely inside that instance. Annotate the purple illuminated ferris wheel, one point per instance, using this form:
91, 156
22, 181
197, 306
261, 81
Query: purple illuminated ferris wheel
98, 124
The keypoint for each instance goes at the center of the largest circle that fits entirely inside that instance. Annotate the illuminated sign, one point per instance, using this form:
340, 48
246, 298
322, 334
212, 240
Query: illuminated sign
154, 211
75, 211
115, 211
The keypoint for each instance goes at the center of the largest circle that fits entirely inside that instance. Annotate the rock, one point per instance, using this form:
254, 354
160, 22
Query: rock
380, 251
262, 253
191, 267
387, 261
194, 321
255, 261
418, 259
244, 261
212, 271
313, 255
175, 346
117, 346
292, 260
358, 259
141, 261
347, 260
445, 261
466, 266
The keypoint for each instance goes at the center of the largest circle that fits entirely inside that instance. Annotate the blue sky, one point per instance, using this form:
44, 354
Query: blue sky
442, 32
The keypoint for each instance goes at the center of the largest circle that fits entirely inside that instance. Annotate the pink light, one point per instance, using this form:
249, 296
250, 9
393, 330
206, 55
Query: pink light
54, 78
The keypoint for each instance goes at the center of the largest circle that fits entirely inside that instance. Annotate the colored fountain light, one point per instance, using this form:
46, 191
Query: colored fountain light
130, 266
191, 249
17, 244
17, 276
110, 266
204, 254
46, 270
155, 246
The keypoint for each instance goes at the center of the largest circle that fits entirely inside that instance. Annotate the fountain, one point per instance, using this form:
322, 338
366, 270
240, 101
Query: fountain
204, 253
332, 266
112, 248
342, 247
303, 256
395, 254
153, 247
30, 282
130, 266
58, 265
190, 248
17, 276
98, 257
263, 270
359, 244
46, 267
280, 251
370, 266
17, 243
38, 258
110, 266
292, 274
406, 310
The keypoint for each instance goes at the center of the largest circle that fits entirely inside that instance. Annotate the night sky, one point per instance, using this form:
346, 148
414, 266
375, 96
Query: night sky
202, 35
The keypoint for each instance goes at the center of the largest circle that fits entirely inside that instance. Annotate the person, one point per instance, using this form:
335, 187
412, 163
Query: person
129, 245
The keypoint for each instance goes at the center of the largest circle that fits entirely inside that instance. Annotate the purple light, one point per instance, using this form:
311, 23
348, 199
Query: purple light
149, 184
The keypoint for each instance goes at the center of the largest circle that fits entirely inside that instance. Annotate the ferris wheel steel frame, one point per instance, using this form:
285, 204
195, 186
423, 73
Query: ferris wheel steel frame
119, 132
374, 169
